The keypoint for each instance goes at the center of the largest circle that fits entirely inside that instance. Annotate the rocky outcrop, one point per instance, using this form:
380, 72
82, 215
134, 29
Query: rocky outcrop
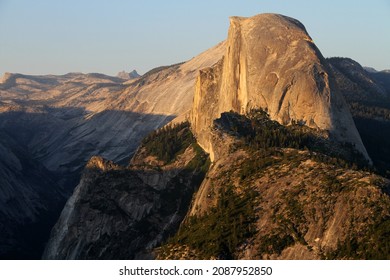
262, 201
123, 213
302, 209
272, 63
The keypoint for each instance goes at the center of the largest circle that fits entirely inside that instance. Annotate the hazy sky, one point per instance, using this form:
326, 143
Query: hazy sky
57, 37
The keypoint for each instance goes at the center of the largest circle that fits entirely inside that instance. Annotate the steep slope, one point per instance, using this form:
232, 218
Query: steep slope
271, 62
355, 82
62, 121
94, 114
281, 193
368, 96
122, 213
29, 202
383, 78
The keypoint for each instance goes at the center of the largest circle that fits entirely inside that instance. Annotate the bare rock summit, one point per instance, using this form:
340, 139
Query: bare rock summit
272, 63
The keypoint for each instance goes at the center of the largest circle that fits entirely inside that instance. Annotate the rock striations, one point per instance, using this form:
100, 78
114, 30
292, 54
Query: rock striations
271, 62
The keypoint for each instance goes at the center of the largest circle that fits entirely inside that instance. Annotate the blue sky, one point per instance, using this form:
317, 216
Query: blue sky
57, 37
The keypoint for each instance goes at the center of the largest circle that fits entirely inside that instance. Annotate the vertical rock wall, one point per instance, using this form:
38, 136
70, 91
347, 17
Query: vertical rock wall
272, 63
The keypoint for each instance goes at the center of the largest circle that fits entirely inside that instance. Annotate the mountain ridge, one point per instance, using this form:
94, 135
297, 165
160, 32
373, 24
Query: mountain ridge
65, 120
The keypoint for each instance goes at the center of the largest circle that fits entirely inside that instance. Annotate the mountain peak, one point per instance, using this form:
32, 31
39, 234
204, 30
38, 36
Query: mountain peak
272, 63
99, 163
128, 75
269, 18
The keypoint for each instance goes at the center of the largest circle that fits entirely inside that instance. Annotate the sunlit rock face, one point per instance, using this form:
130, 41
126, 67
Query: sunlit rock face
271, 62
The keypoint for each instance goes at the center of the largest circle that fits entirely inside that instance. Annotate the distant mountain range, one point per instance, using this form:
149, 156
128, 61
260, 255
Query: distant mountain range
128, 76
60, 122
373, 70
272, 151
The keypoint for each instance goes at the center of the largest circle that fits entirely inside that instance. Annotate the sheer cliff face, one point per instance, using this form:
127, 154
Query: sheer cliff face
119, 213
271, 62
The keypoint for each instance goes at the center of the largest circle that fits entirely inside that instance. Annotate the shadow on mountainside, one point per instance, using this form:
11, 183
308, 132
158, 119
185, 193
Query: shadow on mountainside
42, 154
118, 215
121, 212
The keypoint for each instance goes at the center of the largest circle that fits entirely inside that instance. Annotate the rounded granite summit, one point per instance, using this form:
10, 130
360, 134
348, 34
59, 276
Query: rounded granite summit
271, 62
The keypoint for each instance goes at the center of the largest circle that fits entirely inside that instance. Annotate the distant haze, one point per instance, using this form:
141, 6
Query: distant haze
57, 37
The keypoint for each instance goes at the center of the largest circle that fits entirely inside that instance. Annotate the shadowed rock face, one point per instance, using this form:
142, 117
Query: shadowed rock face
271, 62
28, 197
121, 213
